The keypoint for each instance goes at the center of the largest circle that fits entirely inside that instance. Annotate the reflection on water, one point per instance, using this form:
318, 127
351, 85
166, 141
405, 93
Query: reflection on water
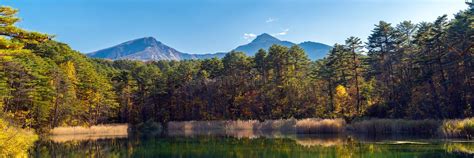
82, 137
248, 143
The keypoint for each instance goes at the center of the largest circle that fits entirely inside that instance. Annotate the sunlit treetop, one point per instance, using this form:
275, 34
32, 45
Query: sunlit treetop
12, 37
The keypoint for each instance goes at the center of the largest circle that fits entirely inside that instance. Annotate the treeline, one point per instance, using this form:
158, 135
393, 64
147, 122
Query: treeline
44, 84
412, 71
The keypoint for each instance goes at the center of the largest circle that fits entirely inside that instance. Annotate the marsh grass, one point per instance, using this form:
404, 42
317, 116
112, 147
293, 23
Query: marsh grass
282, 125
82, 137
395, 126
196, 125
310, 125
459, 128
448, 128
111, 129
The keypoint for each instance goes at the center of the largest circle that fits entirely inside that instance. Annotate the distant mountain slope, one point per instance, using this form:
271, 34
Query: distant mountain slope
130, 48
314, 50
148, 48
210, 55
263, 41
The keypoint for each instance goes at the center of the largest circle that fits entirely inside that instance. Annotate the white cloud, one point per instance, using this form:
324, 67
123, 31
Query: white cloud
249, 36
284, 32
270, 20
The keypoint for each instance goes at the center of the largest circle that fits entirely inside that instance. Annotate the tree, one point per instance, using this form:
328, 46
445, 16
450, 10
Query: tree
354, 45
17, 37
24, 90
382, 55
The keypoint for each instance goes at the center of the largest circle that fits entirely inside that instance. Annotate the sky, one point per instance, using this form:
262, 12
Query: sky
208, 26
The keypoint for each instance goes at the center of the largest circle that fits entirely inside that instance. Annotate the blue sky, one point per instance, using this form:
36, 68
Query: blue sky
207, 26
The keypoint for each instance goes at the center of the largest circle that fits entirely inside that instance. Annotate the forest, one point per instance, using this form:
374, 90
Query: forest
404, 70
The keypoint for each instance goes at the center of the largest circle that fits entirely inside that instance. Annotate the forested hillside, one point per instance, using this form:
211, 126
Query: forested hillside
405, 70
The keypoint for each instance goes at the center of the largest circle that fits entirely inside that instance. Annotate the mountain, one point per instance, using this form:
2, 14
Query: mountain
263, 41
314, 50
209, 55
148, 48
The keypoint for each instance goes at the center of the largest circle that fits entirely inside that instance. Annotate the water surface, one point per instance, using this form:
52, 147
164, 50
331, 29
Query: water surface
252, 144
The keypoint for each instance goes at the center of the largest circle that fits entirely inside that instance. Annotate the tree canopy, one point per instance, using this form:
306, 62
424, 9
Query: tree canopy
407, 70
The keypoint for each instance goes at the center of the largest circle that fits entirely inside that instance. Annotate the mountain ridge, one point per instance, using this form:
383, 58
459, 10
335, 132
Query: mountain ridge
148, 48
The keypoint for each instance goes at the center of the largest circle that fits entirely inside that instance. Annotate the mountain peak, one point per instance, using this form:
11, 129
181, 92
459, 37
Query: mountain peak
145, 40
145, 49
148, 48
265, 37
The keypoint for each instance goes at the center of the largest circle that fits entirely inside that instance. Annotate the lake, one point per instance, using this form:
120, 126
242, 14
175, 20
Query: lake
251, 144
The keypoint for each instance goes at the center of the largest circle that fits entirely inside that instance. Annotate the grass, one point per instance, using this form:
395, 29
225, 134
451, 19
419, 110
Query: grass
196, 125
395, 126
460, 128
79, 133
283, 125
457, 128
111, 129
448, 128
82, 137
320, 126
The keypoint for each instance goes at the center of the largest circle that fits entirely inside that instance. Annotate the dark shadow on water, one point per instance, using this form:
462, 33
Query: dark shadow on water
249, 143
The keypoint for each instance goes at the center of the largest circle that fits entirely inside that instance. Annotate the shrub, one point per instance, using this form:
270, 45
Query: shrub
15, 142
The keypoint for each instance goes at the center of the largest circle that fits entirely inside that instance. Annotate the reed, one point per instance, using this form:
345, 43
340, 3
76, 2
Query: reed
396, 126
283, 125
462, 128
196, 125
459, 128
240, 124
311, 125
110, 129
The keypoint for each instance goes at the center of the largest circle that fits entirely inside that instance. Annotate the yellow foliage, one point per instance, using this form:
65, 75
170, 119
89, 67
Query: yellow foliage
70, 70
8, 44
341, 91
458, 128
342, 105
15, 142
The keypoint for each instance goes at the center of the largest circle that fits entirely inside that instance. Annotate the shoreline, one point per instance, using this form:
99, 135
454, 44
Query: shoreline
251, 128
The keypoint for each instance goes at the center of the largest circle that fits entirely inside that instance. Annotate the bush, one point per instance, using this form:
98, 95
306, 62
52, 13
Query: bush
15, 142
